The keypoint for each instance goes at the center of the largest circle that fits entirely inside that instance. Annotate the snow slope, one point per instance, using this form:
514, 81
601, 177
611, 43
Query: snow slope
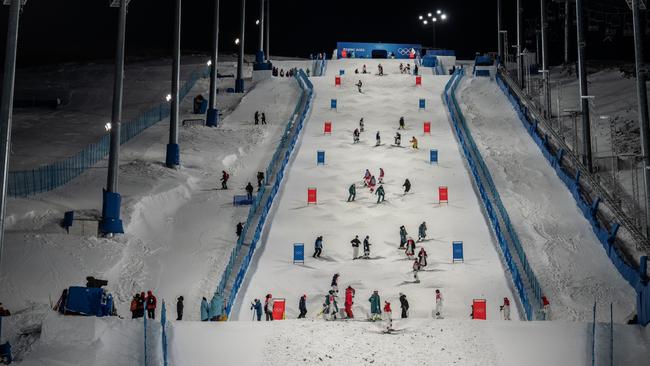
383, 101
567, 258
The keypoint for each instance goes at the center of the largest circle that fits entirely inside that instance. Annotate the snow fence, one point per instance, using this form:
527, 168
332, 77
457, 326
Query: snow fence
528, 288
230, 282
602, 221
48, 177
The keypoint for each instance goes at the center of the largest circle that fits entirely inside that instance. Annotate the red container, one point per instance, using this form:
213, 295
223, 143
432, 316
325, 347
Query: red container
328, 127
427, 127
418, 80
311, 196
443, 194
479, 307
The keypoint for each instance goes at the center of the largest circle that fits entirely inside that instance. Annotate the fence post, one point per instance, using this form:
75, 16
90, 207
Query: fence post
163, 324
145, 338
611, 334
593, 339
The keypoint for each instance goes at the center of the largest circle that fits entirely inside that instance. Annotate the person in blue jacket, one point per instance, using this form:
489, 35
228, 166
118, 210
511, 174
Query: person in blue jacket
205, 310
318, 247
216, 307
257, 305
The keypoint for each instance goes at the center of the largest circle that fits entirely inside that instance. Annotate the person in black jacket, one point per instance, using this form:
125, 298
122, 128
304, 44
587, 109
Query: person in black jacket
260, 180
240, 229
302, 306
249, 191
404, 304
407, 186
355, 247
179, 308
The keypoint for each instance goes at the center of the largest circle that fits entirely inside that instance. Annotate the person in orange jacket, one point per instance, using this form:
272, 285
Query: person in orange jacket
151, 304
349, 297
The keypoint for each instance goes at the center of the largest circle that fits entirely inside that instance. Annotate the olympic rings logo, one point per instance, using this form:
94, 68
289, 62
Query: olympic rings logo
403, 51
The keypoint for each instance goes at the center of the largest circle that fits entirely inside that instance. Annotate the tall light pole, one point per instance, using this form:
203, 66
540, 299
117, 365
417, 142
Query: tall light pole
111, 223
546, 73
499, 40
259, 58
6, 107
239, 82
520, 61
642, 97
268, 28
433, 19
567, 30
212, 118
173, 158
584, 93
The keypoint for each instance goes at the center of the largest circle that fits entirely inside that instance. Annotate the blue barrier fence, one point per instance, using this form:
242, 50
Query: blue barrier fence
145, 338
319, 67
163, 325
51, 176
528, 288
635, 276
265, 197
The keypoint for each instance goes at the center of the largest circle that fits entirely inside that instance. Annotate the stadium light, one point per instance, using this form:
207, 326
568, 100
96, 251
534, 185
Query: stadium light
168, 97
443, 16
420, 17
209, 63
257, 22
237, 41
438, 12
429, 15
108, 127
425, 22
434, 19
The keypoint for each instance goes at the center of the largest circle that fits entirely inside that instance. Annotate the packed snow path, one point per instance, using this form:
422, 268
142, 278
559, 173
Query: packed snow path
383, 101
567, 258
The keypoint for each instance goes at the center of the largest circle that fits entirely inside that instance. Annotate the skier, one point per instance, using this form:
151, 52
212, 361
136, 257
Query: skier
331, 305
414, 143
398, 139
378, 138
249, 191
256, 306
205, 309
422, 257
224, 179
505, 309
407, 186
416, 70
318, 247
268, 307
410, 248
408, 68
380, 70
438, 304
355, 247
179, 308
216, 307
388, 315
366, 247
302, 306
359, 85
381, 175
353, 192
402, 124
151, 305
361, 125
349, 300
380, 194
260, 179
257, 117
365, 71
422, 231
545, 309
355, 136
375, 309
401, 68
367, 175
372, 183
402, 236
335, 283
404, 305
263, 118
239, 230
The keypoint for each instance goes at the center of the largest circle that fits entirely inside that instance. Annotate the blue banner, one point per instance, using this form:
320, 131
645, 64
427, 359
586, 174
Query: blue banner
433, 158
333, 104
378, 50
458, 251
320, 158
299, 253
423, 104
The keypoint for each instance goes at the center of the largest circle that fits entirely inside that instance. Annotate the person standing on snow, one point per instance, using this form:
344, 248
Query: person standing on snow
422, 231
141, 305
388, 315
216, 307
361, 125
318, 247
205, 310
546, 308
416, 269
331, 305
224, 179
152, 302
256, 306
410, 248
260, 180
378, 139
505, 308
375, 307
179, 308
372, 183
335, 283
380, 70
134, 306
249, 191
263, 118
381, 175
402, 236
239, 230
380, 194
414, 143
355, 247
355, 136
407, 186
268, 307
365, 71
416, 70
302, 306
257, 117
359, 85
398, 139
366, 247
422, 257
353, 192
367, 175
402, 124
349, 300
438, 304
404, 305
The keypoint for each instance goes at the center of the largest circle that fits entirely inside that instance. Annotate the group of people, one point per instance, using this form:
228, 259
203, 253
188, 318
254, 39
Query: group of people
257, 308
257, 117
356, 134
281, 73
407, 69
142, 302
363, 70
215, 310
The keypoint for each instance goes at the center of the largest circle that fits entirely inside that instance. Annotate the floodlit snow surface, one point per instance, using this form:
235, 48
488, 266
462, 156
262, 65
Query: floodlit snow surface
383, 101
567, 258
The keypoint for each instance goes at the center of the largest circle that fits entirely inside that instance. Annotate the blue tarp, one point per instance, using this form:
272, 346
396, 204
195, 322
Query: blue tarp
429, 61
484, 61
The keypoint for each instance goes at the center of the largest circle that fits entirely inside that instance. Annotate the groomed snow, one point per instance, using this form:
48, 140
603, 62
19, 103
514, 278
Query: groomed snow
567, 258
383, 101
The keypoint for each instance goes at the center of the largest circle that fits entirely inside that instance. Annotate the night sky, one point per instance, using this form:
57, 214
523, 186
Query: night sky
84, 30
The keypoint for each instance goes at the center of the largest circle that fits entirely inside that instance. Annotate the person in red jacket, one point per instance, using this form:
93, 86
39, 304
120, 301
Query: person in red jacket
388, 315
349, 297
151, 303
545, 308
505, 309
